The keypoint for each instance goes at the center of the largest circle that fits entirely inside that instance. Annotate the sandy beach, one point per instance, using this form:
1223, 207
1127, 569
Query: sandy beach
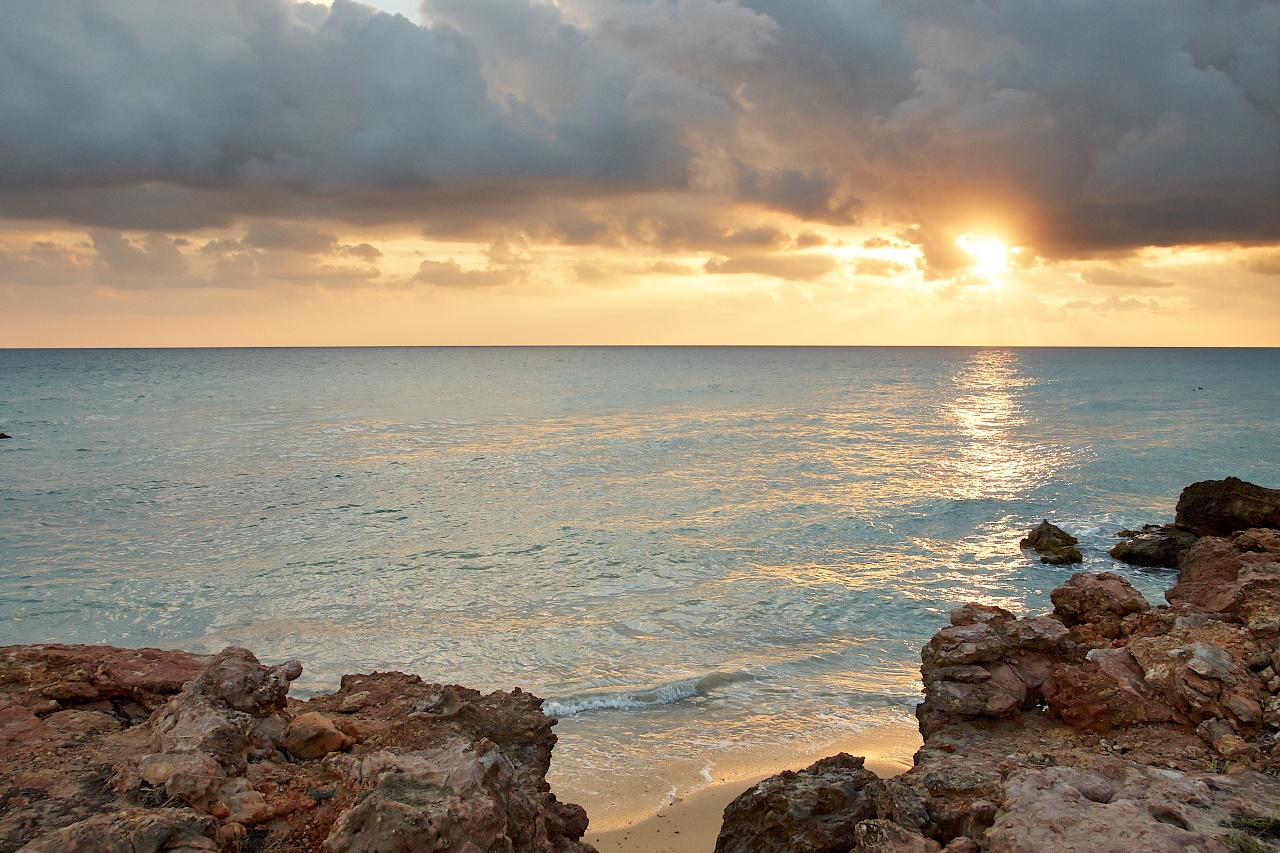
691, 822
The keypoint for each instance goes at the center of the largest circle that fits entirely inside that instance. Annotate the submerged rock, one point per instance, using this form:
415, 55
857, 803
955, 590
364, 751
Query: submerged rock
1222, 507
1054, 545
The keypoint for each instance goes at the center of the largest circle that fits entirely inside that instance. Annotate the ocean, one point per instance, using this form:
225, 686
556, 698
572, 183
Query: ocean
695, 554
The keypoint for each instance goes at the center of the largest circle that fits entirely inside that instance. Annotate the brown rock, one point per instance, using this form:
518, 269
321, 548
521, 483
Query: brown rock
132, 831
1055, 545
1064, 810
1207, 577
456, 797
313, 735
53, 671
814, 810
1221, 507
236, 679
1102, 600
192, 777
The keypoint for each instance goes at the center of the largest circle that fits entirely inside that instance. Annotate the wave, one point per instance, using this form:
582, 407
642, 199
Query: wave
646, 697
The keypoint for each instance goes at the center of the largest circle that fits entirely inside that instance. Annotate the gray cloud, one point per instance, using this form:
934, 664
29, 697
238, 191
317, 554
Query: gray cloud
1079, 128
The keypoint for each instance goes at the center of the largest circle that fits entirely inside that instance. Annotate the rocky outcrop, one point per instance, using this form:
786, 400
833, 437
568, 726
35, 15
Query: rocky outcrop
1054, 545
1106, 726
1155, 545
1222, 507
107, 749
834, 805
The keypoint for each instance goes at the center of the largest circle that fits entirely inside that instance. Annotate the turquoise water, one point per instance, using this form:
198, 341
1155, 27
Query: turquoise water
688, 551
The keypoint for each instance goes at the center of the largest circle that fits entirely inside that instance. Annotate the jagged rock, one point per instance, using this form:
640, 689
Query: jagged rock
213, 745
1101, 600
1239, 576
1055, 545
987, 663
814, 810
133, 831
1106, 692
236, 679
1221, 507
1154, 545
216, 713
457, 797
885, 836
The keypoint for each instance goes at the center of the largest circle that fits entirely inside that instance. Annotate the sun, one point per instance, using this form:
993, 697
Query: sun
990, 255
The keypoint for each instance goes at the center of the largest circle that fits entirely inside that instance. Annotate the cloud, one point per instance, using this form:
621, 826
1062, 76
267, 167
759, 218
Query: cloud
451, 274
877, 267
806, 267
1118, 278
1076, 128
1264, 263
157, 256
43, 264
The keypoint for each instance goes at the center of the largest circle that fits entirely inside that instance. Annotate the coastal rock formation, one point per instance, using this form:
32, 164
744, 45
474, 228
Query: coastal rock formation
1155, 545
1108, 726
1054, 545
1222, 507
106, 749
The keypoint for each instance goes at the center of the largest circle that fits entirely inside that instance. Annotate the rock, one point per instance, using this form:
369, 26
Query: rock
192, 777
1055, 545
1062, 809
133, 831
95, 773
1221, 507
1107, 692
1239, 576
1154, 545
814, 810
217, 712
4, 436
72, 676
457, 797
236, 679
1101, 600
1207, 576
885, 836
313, 735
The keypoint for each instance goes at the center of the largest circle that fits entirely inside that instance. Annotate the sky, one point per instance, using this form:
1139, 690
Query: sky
484, 172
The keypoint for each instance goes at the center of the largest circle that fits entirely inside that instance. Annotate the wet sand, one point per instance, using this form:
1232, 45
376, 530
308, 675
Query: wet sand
690, 823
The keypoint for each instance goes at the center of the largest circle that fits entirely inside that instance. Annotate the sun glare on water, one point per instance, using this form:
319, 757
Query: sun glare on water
990, 256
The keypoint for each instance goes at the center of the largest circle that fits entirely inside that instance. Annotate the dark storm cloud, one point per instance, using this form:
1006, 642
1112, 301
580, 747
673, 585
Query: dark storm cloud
1076, 127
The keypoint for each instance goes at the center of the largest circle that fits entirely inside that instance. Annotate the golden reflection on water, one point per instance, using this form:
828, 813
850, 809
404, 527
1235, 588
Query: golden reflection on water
992, 463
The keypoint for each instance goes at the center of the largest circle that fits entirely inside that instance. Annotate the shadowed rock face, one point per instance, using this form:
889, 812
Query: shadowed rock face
1108, 726
1222, 507
229, 762
1157, 546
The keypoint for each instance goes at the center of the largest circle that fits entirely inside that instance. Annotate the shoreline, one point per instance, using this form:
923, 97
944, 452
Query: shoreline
689, 822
